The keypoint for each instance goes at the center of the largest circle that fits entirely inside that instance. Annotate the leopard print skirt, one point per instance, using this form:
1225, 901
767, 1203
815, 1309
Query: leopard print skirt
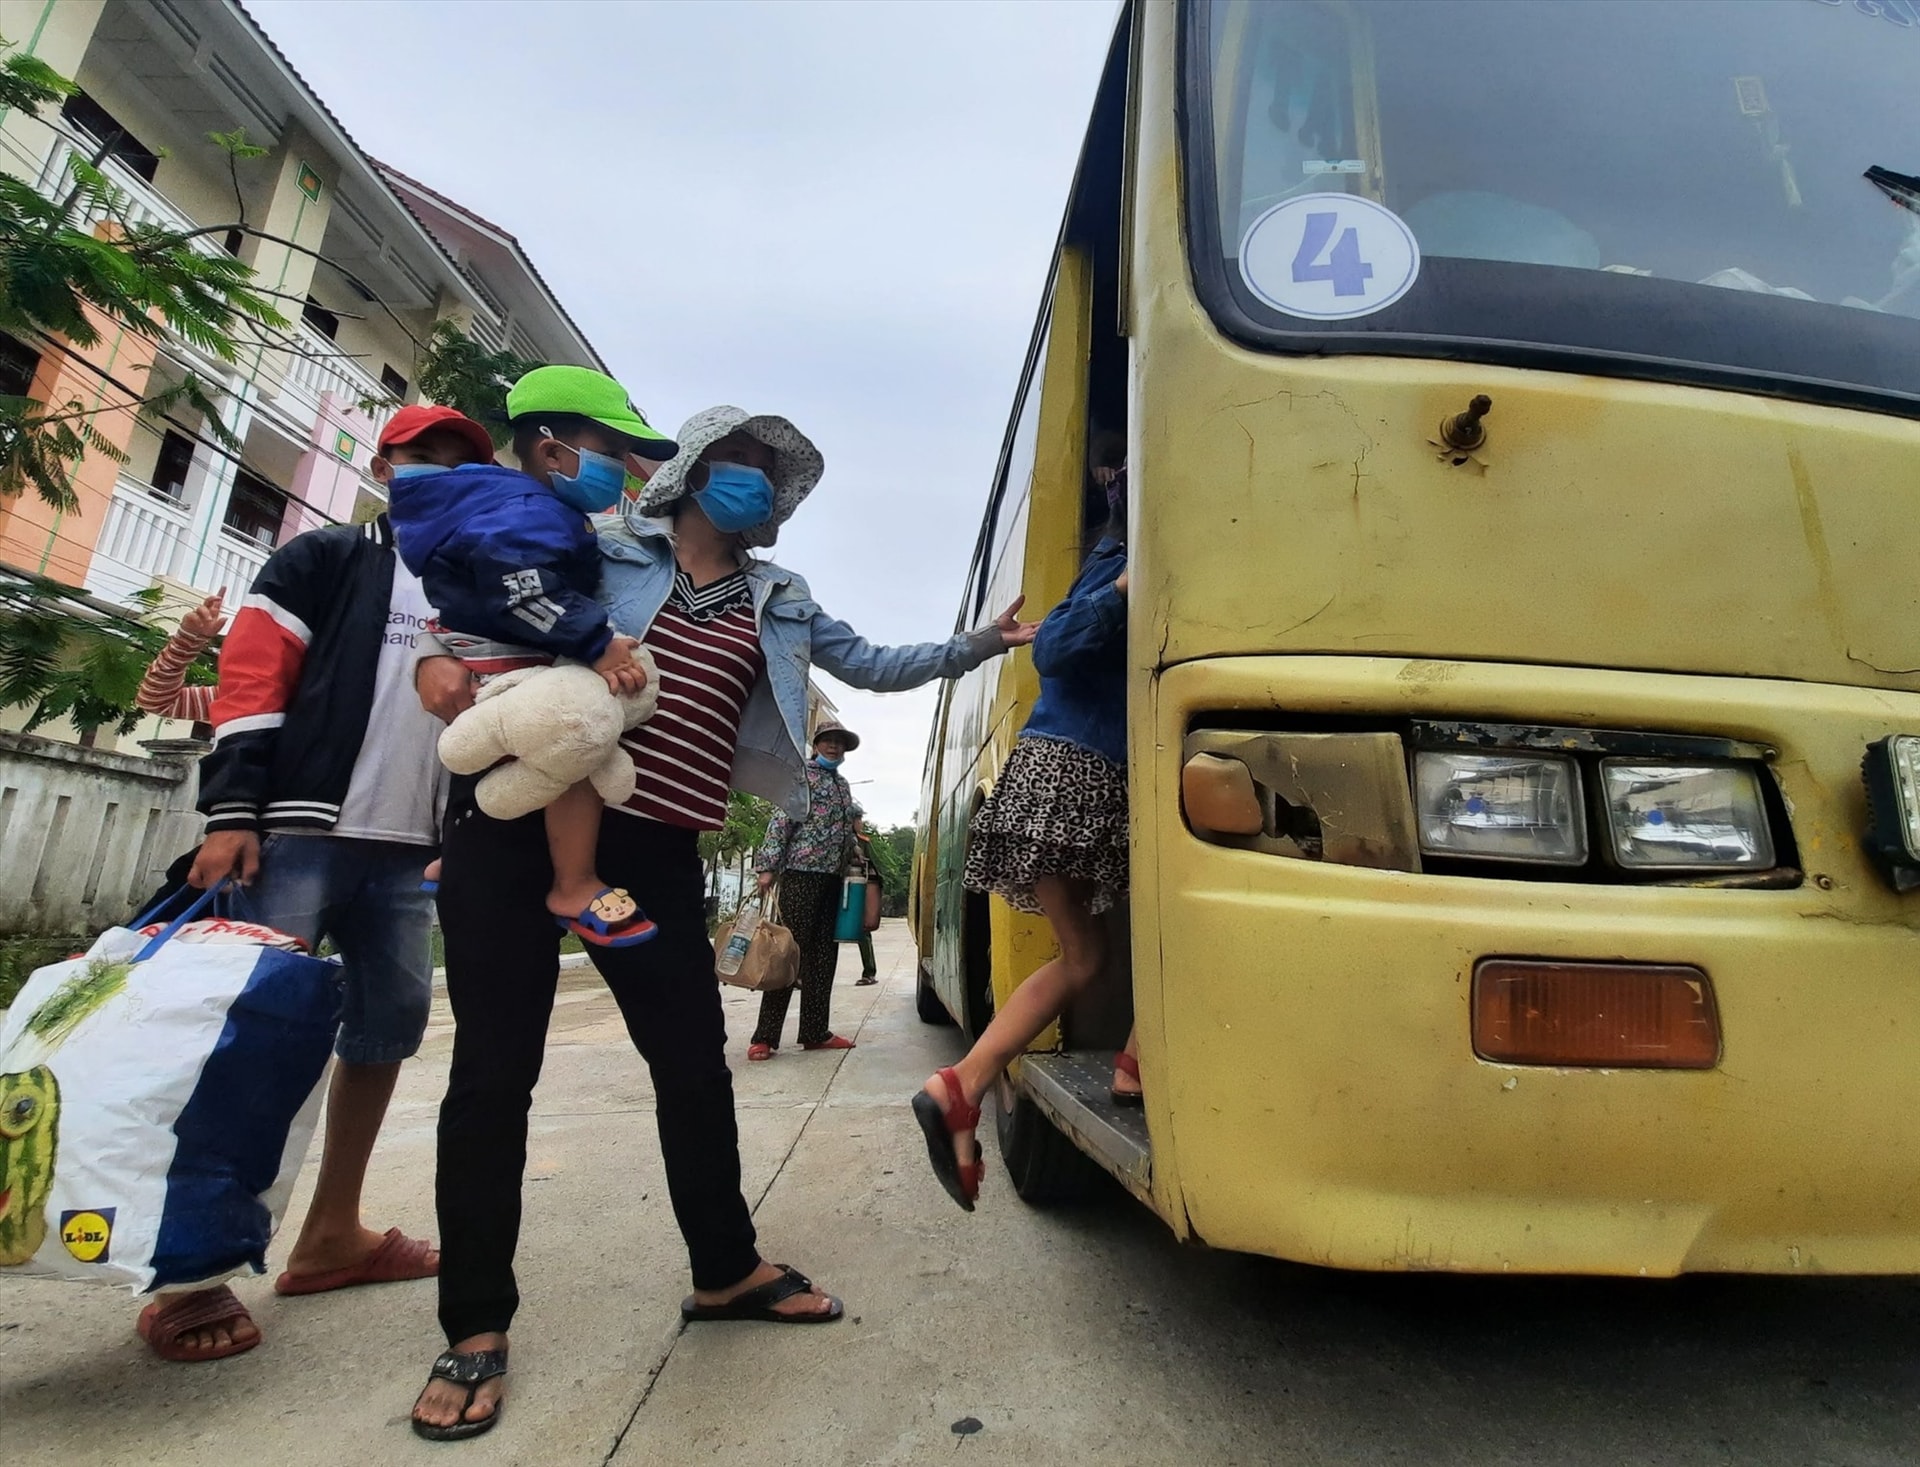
1058, 810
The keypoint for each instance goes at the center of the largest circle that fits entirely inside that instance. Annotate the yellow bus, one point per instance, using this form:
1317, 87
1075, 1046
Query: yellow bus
1522, 409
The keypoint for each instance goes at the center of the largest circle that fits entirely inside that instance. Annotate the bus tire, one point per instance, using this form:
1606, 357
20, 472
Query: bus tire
1043, 1165
927, 1004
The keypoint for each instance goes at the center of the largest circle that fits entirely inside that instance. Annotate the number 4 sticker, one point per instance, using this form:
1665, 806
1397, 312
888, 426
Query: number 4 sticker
1329, 257
1348, 272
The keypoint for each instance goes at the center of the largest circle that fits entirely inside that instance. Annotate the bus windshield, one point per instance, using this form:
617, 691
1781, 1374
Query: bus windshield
1693, 191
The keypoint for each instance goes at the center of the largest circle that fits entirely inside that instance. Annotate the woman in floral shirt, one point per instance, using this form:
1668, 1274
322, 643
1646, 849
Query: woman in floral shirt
808, 858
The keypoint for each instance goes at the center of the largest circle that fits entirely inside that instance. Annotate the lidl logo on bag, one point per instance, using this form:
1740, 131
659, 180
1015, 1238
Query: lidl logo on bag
87, 1234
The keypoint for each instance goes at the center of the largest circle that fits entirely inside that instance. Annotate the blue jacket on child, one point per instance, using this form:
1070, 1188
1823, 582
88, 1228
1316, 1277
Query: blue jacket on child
1080, 653
502, 557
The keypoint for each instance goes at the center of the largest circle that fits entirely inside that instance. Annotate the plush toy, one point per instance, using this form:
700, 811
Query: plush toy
555, 726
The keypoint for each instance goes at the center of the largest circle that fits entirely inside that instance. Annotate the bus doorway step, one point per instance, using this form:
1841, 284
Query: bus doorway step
1073, 1089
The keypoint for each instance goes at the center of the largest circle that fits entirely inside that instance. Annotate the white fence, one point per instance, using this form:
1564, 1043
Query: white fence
85, 836
148, 535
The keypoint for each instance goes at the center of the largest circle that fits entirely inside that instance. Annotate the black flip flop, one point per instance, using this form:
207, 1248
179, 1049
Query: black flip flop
470, 1368
757, 1303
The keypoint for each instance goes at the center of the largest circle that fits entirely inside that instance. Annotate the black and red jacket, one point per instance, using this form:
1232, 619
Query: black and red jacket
296, 681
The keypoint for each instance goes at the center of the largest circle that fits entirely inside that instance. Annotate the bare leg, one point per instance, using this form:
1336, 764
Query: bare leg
1123, 1083
573, 836
332, 1235
1037, 1002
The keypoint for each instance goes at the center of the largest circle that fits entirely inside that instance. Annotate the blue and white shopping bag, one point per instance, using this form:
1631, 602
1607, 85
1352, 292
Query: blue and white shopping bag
156, 1100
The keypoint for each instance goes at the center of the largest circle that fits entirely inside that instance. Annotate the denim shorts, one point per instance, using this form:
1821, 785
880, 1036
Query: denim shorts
364, 896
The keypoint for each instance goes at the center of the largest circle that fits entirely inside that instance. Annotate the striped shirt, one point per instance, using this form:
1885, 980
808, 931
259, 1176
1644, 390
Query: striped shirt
161, 690
708, 648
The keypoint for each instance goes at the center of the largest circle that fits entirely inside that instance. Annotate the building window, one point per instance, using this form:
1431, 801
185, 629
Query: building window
128, 151
170, 469
321, 319
18, 364
255, 509
393, 382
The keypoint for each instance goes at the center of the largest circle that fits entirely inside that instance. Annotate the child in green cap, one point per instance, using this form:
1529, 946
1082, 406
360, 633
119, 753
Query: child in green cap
512, 567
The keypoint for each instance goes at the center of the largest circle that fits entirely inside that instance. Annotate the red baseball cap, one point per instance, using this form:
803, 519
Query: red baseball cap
410, 422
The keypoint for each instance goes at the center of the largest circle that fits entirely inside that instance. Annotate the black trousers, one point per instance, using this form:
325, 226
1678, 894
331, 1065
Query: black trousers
502, 968
809, 909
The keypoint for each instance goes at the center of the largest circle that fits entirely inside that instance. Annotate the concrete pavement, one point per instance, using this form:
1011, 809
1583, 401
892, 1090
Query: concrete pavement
1068, 1336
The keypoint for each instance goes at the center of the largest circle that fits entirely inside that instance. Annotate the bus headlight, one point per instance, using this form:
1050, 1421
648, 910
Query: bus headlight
1500, 807
1891, 770
1681, 817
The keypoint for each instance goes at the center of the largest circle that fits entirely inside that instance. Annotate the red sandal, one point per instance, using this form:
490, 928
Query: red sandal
1126, 1064
961, 1179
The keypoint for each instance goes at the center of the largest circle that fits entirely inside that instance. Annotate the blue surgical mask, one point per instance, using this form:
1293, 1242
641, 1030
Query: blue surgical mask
825, 763
416, 471
736, 497
597, 487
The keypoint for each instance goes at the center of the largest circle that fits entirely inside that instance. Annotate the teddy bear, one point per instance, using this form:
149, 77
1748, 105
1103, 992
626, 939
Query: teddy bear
555, 726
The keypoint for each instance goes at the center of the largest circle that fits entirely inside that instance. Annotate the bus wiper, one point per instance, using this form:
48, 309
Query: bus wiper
1902, 188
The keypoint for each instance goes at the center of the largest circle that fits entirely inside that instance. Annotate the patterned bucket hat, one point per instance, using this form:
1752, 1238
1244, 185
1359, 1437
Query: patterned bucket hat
797, 465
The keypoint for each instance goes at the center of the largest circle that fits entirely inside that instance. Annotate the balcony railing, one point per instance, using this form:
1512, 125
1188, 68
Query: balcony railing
315, 365
148, 535
318, 367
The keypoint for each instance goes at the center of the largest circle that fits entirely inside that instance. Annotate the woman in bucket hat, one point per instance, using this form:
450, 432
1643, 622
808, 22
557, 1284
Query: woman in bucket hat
808, 857
736, 638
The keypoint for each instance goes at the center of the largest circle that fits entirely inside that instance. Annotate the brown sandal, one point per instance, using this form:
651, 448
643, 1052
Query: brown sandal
961, 1179
163, 1325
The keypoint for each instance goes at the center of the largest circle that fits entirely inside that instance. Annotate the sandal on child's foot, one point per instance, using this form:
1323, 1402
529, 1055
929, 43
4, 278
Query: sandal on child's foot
612, 919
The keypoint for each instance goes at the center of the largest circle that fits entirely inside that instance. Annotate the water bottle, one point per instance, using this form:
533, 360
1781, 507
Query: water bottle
735, 952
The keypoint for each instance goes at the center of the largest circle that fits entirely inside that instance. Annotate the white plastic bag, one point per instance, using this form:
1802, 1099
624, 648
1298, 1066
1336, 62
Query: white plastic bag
156, 1100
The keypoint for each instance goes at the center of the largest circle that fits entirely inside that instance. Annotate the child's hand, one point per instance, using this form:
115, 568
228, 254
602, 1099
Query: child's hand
203, 622
1120, 583
624, 676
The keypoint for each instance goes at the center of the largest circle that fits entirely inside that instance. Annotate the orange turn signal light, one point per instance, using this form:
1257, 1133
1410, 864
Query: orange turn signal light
1594, 1015
1219, 795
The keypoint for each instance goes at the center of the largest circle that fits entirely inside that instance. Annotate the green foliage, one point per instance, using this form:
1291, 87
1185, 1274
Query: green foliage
745, 828
27, 84
40, 450
470, 377
893, 854
67, 658
61, 259
235, 145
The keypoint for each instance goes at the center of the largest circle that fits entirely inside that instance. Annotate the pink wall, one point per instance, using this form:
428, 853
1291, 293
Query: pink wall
324, 479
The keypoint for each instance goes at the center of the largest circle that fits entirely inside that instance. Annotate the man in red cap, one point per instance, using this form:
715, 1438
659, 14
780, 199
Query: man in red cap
427, 433
323, 796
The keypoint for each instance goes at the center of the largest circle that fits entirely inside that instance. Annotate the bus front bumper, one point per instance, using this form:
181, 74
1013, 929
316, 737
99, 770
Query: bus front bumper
1316, 1072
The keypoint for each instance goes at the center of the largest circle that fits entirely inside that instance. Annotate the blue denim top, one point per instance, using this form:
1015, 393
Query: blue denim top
795, 635
1081, 656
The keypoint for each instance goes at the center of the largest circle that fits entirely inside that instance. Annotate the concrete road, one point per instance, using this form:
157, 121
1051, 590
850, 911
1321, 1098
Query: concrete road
1063, 1337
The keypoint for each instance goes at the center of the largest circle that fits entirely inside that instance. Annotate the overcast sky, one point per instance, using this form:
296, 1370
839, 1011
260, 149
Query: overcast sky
841, 213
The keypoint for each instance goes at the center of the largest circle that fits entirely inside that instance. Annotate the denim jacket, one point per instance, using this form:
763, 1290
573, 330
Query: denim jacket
795, 635
1081, 656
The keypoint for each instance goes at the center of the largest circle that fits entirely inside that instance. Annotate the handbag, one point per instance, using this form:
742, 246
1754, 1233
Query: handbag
871, 923
759, 953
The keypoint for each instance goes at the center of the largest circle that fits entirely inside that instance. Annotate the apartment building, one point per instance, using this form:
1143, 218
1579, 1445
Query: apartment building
376, 259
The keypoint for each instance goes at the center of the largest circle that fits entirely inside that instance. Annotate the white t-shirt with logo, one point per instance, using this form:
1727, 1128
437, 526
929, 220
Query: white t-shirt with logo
399, 786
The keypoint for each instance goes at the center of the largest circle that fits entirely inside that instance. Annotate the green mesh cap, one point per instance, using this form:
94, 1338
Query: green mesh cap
587, 394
